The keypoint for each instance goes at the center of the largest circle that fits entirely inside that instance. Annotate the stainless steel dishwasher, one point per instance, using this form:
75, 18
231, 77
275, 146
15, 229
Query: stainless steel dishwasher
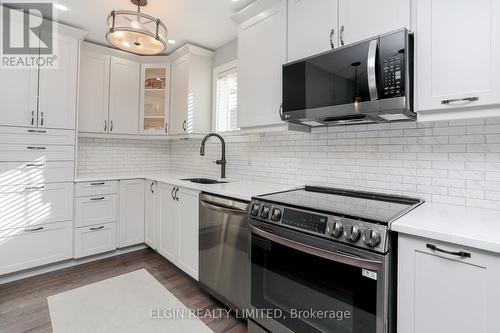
224, 247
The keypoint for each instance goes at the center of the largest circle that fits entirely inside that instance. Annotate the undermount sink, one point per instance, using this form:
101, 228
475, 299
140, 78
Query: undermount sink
204, 181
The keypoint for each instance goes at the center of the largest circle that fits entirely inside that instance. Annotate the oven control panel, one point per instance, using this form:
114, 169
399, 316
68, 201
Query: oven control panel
349, 231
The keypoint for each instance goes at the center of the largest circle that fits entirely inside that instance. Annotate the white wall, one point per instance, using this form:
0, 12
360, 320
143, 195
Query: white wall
226, 53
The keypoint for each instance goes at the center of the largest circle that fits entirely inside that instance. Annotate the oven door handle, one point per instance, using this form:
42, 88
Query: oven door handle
373, 265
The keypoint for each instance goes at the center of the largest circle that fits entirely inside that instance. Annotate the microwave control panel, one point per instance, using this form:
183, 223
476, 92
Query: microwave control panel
392, 71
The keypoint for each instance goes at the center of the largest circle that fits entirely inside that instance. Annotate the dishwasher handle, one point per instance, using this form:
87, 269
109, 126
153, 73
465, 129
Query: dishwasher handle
223, 209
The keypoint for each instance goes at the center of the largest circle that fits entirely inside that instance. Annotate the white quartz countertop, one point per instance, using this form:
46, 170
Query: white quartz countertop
473, 227
238, 189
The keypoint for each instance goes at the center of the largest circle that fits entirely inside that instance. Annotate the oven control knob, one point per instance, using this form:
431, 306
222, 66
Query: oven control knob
335, 229
265, 212
371, 238
352, 233
276, 214
255, 210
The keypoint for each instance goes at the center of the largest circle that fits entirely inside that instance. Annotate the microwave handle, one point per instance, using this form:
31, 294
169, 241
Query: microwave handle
350, 260
372, 69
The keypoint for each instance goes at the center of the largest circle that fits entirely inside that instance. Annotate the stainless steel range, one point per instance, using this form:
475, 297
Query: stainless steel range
323, 260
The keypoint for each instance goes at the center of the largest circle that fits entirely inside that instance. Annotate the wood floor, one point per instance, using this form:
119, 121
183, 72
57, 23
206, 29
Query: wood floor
23, 304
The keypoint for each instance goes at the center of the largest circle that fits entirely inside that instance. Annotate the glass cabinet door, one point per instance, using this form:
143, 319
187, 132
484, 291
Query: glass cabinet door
154, 99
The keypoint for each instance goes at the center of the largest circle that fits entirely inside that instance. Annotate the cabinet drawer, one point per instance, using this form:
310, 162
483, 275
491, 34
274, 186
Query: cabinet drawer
27, 205
40, 136
12, 173
96, 188
35, 153
96, 209
26, 248
95, 239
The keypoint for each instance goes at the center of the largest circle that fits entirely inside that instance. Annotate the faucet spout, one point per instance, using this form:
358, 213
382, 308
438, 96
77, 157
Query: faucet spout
222, 162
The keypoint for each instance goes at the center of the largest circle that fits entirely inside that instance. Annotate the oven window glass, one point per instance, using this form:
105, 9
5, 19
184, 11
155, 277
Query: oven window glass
312, 293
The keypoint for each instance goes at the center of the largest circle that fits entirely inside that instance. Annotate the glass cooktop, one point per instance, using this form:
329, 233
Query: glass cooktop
354, 204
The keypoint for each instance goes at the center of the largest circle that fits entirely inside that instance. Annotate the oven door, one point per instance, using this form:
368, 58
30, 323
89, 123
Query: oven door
316, 285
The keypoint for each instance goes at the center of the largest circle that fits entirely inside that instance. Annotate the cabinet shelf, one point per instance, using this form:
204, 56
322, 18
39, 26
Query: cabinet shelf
154, 117
154, 89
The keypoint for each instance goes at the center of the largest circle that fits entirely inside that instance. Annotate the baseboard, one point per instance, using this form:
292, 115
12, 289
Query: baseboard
65, 264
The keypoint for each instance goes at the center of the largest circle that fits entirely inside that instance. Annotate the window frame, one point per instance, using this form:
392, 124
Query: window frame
231, 65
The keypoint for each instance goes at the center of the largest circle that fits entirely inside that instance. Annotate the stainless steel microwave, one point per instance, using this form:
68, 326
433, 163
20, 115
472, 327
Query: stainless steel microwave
369, 81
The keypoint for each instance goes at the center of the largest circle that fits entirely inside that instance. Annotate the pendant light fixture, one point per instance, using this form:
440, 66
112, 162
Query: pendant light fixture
136, 32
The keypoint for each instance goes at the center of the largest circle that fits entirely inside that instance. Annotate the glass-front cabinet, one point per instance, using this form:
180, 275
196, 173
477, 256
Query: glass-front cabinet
155, 88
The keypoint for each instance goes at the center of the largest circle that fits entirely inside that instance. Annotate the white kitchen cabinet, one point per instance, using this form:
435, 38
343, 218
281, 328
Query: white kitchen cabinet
131, 218
312, 27
40, 136
155, 93
150, 216
23, 173
18, 90
191, 90
101, 208
95, 239
262, 51
35, 153
439, 292
94, 92
188, 231
168, 221
451, 77
96, 188
362, 19
58, 87
124, 96
23, 248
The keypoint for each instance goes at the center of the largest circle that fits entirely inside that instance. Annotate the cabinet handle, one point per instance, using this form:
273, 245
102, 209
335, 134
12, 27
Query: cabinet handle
184, 125
458, 100
281, 112
111, 126
176, 196
97, 199
32, 118
34, 229
172, 193
41, 120
151, 187
35, 165
332, 34
36, 148
34, 188
97, 228
342, 29
459, 253
37, 131
97, 184
105, 125
166, 128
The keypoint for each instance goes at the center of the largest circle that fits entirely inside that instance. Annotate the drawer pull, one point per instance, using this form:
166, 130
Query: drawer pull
36, 148
33, 230
34, 188
458, 100
35, 165
459, 253
97, 228
36, 131
97, 184
97, 199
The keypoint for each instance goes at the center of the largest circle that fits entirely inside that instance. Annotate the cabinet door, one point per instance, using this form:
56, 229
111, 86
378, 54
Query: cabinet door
168, 220
312, 27
188, 231
124, 96
150, 213
131, 218
435, 290
96, 209
95, 239
58, 87
448, 71
155, 88
179, 96
94, 92
362, 19
261, 54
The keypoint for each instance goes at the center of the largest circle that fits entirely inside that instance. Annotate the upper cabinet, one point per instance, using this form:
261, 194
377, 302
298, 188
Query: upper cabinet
191, 90
312, 27
155, 88
362, 19
452, 76
262, 51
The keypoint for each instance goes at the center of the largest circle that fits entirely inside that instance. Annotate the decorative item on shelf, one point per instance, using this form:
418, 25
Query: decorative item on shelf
155, 83
136, 32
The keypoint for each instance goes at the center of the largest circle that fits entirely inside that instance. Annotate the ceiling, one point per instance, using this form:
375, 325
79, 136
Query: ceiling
205, 23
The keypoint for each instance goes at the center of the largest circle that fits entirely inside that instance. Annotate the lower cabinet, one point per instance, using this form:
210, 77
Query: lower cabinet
150, 216
95, 239
131, 217
442, 291
177, 210
27, 247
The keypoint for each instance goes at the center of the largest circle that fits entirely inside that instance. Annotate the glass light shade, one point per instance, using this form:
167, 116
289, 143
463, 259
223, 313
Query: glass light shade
136, 32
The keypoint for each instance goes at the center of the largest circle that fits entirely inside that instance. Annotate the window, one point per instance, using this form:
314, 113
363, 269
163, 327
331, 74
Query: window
226, 98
